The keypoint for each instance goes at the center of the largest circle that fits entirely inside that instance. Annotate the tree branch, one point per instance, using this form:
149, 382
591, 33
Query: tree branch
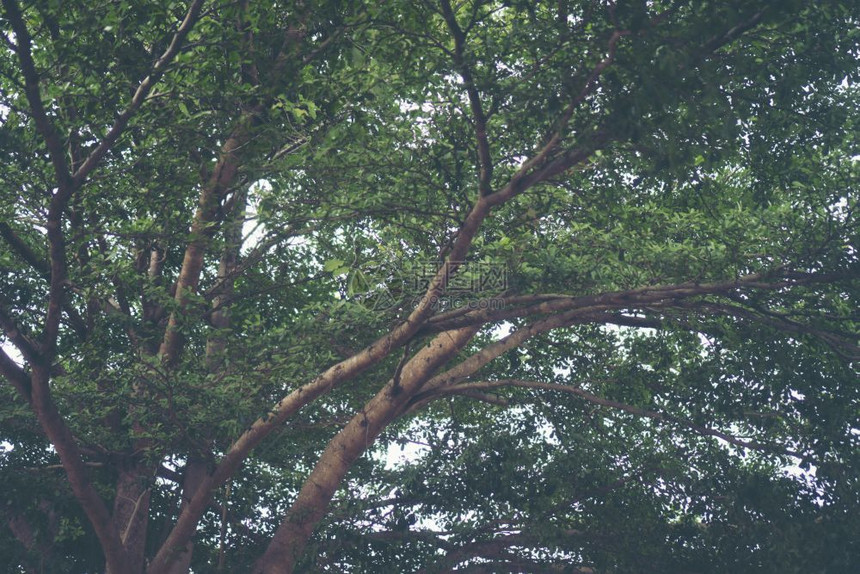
526, 177
840, 345
44, 270
734, 33
475, 362
46, 128
140, 94
15, 375
535, 305
70, 455
24, 251
322, 384
350, 443
498, 548
29, 349
485, 161
520, 178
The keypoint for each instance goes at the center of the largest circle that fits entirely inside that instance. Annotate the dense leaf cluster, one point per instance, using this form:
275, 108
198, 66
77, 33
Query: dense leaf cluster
234, 240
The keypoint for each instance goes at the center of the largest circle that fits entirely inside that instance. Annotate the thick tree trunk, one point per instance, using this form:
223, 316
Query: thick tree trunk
312, 502
131, 515
195, 472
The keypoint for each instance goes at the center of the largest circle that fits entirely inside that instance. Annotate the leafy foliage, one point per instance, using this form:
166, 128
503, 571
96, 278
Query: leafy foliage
591, 267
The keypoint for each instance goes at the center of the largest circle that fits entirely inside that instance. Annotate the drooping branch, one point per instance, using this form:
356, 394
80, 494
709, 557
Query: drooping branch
566, 311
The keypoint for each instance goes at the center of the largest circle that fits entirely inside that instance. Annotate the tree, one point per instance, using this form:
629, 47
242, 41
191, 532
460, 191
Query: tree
594, 263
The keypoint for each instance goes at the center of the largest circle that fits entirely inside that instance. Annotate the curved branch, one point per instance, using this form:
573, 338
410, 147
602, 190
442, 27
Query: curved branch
70, 455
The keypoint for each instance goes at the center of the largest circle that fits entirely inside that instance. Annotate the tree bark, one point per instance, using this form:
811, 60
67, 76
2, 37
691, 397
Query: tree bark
70, 456
356, 437
195, 472
131, 516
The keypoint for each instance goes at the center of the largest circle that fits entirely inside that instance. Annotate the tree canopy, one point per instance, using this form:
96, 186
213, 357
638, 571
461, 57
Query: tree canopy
429, 286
